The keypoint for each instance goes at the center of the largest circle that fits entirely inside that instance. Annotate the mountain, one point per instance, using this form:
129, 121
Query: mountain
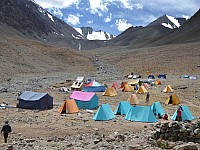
90, 34
168, 21
34, 22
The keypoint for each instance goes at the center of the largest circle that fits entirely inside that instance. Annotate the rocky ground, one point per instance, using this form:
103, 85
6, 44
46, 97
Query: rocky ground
46, 69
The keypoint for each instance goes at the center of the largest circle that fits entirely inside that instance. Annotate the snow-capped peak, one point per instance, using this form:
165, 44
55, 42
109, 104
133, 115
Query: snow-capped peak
174, 20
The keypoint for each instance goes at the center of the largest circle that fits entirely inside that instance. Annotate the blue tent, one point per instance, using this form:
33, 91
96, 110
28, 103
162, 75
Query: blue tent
104, 113
186, 114
122, 108
35, 100
141, 114
157, 109
186, 76
151, 76
162, 76
94, 86
85, 100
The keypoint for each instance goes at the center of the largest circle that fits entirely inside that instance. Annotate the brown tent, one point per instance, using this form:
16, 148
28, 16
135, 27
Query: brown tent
173, 99
133, 100
69, 106
122, 84
168, 89
141, 90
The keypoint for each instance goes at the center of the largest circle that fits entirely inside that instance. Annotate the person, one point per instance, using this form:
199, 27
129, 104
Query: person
165, 117
6, 129
179, 113
147, 97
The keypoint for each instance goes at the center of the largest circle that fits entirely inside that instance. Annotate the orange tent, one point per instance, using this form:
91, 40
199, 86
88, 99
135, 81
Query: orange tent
69, 106
141, 90
133, 100
173, 99
128, 88
110, 92
122, 84
168, 89
158, 82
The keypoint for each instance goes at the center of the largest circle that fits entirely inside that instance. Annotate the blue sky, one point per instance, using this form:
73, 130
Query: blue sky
115, 16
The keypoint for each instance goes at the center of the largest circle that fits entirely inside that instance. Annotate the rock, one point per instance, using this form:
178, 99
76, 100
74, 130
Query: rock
110, 138
29, 140
10, 147
120, 137
97, 141
134, 147
188, 146
54, 139
197, 131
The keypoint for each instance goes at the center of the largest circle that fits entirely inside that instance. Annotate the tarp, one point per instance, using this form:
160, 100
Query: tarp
186, 114
128, 88
35, 100
69, 106
173, 99
122, 108
110, 92
168, 89
85, 100
104, 113
141, 90
157, 108
141, 114
133, 100
94, 86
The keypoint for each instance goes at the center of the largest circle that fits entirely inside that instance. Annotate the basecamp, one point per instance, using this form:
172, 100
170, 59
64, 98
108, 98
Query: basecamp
85, 100
173, 99
122, 108
186, 115
157, 109
141, 90
133, 100
35, 100
168, 89
69, 106
141, 114
110, 92
104, 113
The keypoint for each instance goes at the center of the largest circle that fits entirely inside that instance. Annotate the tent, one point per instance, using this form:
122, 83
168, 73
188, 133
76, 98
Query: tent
141, 114
104, 113
186, 76
162, 76
132, 82
35, 100
77, 85
85, 100
128, 88
123, 84
94, 86
186, 114
146, 85
156, 107
173, 99
168, 89
69, 106
122, 108
110, 92
151, 76
141, 90
133, 100
115, 85
193, 77
158, 82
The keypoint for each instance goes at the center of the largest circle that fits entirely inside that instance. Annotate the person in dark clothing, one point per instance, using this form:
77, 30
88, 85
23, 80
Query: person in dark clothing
147, 97
6, 129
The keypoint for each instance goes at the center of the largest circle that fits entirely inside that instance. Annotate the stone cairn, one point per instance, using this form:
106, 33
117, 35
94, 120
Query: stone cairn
177, 131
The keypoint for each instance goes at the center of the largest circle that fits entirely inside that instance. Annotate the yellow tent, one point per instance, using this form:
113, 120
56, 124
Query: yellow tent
173, 99
168, 89
141, 90
133, 100
128, 88
69, 106
110, 92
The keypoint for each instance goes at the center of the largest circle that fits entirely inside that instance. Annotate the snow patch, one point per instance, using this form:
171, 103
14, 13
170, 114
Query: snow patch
174, 20
50, 16
167, 25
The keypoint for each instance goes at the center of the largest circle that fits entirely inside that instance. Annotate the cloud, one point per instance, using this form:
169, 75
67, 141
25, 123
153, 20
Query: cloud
56, 11
122, 24
57, 3
72, 19
98, 6
90, 21
108, 18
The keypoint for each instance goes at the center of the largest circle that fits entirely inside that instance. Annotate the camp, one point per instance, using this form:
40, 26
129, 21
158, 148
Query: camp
141, 114
168, 89
94, 86
173, 99
69, 106
122, 108
85, 100
110, 92
157, 109
186, 115
133, 100
104, 113
35, 100
128, 88
141, 90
